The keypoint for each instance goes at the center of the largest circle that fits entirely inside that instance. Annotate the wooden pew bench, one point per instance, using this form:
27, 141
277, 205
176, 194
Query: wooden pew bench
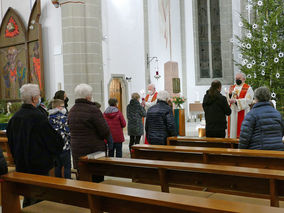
102, 197
6, 150
203, 142
221, 156
251, 182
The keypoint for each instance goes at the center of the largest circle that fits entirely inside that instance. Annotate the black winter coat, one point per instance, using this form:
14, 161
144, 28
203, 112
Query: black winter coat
216, 109
135, 112
160, 123
88, 129
3, 164
33, 142
262, 128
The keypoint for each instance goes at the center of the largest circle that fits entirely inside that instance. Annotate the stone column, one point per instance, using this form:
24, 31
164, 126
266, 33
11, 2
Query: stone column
82, 46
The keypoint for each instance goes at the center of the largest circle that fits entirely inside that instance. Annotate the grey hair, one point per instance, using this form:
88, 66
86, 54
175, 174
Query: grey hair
28, 91
262, 94
152, 85
242, 74
83, 91
163, 95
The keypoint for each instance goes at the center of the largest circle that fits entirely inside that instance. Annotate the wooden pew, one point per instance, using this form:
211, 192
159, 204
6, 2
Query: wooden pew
6, 149
2, 133
203, 142
102, 197
221, 156
251, 182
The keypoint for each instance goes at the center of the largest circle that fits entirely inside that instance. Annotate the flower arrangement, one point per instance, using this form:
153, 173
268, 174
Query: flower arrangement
178, 101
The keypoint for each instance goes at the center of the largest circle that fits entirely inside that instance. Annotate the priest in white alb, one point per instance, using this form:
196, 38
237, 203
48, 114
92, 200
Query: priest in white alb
240, 97
150, 100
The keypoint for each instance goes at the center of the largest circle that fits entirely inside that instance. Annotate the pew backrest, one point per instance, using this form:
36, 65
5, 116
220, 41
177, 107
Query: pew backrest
224, 156
102, 197
254, 182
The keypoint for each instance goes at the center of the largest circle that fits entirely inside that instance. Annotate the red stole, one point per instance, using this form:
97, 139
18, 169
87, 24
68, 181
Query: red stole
241, 114
153, 98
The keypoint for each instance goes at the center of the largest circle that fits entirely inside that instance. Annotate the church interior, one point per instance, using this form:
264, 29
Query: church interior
120, 48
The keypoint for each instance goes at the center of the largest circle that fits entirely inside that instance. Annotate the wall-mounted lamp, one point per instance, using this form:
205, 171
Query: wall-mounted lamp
149, 60
128, 79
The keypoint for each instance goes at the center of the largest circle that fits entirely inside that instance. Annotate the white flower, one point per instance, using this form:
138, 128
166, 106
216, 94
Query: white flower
254, 75
262, 72
280, 55
265, 39
248, 46
277, 75
273, 95
253, 62
249, 7
274, 46
241, 55
276, 60
241, 24
243, 45
249, 76
245, 61
254, 26
249, 35
263, 64
259, 3
249, 66
232, 40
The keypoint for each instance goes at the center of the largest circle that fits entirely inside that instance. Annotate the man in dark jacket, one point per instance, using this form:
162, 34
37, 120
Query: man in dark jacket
87, 125
160, 122
262, 127
216, 108
33, 142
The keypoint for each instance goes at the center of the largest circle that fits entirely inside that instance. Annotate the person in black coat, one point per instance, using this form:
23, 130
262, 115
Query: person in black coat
135, 113
160, 122
33, 142
216, 108
3, 164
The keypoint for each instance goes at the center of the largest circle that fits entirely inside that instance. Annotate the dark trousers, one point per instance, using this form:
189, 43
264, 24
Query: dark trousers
64, 160
134, 140
117, 148
216, 134
28, 201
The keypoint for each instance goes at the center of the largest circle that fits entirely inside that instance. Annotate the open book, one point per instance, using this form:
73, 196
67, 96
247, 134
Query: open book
96, 155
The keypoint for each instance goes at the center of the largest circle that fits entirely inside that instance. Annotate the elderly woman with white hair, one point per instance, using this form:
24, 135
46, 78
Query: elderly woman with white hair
87, 125
160, 122
262, 127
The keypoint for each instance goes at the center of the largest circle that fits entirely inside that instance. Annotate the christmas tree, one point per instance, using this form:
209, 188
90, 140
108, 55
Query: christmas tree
261, 47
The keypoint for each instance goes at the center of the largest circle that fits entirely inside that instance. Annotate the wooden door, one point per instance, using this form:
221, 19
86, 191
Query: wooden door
115, 91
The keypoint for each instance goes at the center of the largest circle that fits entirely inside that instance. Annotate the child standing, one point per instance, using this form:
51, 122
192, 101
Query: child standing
116, 123
58, 120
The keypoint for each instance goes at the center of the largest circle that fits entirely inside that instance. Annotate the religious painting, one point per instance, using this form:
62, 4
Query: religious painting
13, 71
35, 65
12, 29
176, 85
20, 53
